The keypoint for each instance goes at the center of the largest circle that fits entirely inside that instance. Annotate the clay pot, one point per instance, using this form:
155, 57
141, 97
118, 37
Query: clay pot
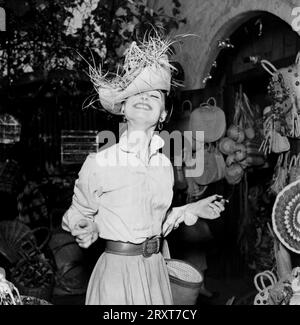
241, 136
240, 147
244, 163
240, 155
233, 132
250, 133
240, 152
234, 173
230, 160
227, 146
236, 133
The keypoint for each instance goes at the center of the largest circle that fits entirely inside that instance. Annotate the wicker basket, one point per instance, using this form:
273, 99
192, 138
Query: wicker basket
41, 293
185, 281
31, 271
43, 271
28, 300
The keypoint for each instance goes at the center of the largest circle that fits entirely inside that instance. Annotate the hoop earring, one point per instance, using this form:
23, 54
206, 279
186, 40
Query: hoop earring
160, 125
124, 119
122, 109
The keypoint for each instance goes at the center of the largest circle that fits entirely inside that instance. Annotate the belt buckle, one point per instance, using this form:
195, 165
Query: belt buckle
150, 246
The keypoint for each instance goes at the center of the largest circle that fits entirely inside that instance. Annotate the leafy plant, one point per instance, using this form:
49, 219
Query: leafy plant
53, 35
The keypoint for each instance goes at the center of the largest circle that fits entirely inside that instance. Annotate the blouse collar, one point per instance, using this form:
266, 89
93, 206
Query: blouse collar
156, 143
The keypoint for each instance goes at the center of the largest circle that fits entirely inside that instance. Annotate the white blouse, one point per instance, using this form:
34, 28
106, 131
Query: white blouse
126, 198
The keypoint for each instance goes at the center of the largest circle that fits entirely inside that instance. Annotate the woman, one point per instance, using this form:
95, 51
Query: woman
123, 193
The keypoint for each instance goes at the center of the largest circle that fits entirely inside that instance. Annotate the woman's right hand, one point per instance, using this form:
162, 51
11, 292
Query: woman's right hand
86, 232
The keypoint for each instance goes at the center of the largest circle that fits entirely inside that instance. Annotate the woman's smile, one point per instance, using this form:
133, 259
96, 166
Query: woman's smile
143, 106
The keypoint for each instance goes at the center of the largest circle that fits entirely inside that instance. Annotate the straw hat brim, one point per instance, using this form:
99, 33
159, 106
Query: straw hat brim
155, 77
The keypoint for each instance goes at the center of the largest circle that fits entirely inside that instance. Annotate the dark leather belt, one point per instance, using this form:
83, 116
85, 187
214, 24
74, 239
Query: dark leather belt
147, 248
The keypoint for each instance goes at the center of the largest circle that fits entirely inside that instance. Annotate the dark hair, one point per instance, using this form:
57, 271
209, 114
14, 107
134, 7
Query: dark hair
169, 103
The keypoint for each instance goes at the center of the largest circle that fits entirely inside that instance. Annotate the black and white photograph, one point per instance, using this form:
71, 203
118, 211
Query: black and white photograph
149, 155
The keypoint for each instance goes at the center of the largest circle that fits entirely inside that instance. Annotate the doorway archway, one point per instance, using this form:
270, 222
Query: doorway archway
212, 23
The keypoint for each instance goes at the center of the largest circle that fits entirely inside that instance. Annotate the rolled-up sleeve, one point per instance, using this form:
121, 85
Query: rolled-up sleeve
87, 191
179, 213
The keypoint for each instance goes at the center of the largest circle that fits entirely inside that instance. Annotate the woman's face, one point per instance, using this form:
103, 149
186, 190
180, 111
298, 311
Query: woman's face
145, 108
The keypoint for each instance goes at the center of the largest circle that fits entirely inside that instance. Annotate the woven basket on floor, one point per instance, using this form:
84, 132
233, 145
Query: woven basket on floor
185, 281
42, 293
28, 300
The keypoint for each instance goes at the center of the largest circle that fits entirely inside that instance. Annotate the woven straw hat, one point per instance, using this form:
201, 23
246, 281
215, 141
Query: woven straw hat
286, 216
146, 67
155, 77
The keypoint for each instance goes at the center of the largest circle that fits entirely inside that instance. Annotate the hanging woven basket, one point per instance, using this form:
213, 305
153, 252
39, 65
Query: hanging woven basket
210, 119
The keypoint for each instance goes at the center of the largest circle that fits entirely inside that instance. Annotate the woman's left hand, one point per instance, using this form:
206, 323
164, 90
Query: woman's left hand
209, 208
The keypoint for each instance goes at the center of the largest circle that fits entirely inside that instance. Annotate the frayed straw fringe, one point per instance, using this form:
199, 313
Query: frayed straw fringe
146, 53
137, 56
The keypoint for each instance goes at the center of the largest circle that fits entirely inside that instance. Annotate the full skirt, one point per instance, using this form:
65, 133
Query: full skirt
129, 280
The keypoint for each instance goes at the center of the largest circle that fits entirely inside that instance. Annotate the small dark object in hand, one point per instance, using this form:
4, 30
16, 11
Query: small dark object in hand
221, 200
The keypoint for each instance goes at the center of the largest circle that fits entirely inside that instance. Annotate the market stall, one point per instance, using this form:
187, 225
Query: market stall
254, 80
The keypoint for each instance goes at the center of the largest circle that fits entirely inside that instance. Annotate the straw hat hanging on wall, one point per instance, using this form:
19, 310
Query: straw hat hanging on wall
286, 216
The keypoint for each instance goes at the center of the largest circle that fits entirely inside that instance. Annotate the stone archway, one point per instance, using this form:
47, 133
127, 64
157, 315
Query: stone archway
213, 21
